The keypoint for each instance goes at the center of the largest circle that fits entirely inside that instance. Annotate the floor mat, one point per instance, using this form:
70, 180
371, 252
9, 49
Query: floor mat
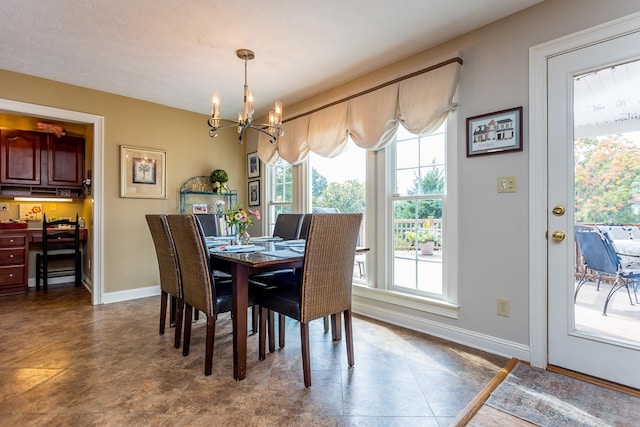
548, 399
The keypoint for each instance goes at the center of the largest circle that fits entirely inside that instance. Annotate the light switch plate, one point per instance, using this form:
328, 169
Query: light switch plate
507, 184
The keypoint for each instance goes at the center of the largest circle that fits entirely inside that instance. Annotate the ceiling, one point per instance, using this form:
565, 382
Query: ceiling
178, 52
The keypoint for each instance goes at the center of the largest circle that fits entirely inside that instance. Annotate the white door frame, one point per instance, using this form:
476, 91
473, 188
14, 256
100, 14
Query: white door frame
97, 184
538, 56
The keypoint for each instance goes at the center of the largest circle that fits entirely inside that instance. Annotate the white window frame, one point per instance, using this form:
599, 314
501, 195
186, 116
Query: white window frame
379, 214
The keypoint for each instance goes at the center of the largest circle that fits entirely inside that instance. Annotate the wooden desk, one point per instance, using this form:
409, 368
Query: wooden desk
14, 257
241, 266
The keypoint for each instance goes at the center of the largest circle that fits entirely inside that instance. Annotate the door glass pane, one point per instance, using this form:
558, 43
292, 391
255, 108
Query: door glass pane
607, 199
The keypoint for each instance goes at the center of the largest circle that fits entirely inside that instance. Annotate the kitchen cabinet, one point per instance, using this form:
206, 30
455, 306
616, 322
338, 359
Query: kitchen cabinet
41, 164
65, 161
20, 152
13, 263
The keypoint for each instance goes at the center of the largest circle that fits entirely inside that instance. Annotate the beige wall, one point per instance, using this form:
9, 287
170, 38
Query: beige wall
129, 255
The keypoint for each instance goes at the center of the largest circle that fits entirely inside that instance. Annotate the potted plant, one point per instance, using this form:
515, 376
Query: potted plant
426, 240
219, 179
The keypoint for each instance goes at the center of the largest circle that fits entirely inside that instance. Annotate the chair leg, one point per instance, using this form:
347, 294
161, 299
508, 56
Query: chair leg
254, 318
326, 324
38, 270
211, 333
78, 270
172, 312
45, 275
188, 312
306, 359
281, 328
272, 338
196, 315
179, 316
348, 331
262, 332
163, 310
336, 328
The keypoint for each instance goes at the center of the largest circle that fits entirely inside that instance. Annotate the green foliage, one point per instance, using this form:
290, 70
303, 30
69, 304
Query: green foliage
430, 183
423, 236
607, 180
283, 177
348, 196
219, 175
319, 183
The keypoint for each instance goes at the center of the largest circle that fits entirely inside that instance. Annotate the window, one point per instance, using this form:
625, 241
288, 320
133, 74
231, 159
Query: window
338, 184
417, 200
281, 190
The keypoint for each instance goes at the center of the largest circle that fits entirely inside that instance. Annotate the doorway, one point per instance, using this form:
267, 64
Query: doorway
565, 338
97, 236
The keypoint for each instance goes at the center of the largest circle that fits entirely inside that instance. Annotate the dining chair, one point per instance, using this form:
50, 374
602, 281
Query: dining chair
287, 226
170, 280
209, 224
200, 290
60, 242
599, 257
321, 288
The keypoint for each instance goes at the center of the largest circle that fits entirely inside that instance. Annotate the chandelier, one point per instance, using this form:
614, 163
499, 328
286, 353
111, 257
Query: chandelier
245, 118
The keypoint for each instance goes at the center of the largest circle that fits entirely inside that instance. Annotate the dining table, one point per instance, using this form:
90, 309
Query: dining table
263, 254
241, 264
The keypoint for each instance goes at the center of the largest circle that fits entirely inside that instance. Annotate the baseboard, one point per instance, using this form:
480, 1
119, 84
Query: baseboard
466, 337
129, 294
51, 281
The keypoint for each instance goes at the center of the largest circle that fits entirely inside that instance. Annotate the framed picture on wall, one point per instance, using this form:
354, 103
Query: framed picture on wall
253, 165
254, 193
142, 173
496, 132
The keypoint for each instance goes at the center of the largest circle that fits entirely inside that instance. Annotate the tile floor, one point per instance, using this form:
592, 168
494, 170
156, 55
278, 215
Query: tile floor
65, 362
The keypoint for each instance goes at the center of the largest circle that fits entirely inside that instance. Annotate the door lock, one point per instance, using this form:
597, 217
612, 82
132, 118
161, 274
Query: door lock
558, 236
558, 210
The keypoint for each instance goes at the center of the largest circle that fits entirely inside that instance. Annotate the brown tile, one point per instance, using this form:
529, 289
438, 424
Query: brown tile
75, 364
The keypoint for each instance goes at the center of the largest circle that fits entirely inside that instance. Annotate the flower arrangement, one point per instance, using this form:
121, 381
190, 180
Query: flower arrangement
242, 218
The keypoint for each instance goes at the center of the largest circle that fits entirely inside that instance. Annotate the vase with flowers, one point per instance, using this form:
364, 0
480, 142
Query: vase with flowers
241, 219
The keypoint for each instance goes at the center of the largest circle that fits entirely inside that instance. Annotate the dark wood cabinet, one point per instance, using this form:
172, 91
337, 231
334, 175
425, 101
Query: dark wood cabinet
20, 152
13, 263
65, 161
41, 164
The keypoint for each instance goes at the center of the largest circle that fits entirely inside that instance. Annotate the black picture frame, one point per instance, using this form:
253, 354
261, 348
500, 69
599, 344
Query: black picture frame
497, 132
253, 191
253, 165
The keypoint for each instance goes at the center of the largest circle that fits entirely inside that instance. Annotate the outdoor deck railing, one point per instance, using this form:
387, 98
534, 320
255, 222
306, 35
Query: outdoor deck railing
402, 226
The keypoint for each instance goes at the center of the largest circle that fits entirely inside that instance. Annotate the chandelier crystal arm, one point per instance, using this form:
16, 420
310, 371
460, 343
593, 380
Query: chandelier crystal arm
245, 118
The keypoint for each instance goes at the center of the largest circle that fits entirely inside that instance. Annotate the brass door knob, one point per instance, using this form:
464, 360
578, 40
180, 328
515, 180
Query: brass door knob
558, 236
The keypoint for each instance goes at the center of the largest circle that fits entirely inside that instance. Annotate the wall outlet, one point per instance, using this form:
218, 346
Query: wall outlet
4, 206
502, 307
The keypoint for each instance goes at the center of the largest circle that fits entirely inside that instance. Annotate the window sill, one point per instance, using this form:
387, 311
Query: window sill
426, 305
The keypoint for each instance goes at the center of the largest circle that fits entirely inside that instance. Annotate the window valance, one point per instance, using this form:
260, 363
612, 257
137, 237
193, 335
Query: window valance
420, 101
